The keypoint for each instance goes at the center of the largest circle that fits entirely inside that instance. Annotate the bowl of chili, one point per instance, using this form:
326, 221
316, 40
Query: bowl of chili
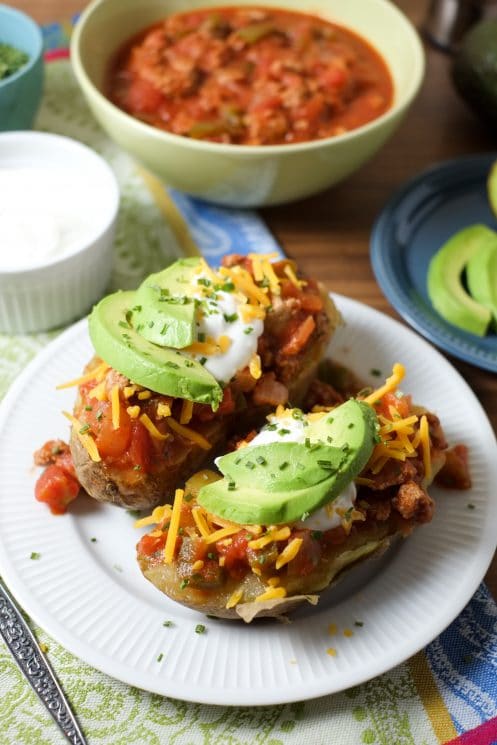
246, 105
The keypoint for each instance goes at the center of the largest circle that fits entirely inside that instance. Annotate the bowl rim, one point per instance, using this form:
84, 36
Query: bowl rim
108, 219
407, 96
24, 20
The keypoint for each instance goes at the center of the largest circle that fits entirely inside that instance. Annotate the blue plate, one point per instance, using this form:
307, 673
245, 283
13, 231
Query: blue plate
413, 226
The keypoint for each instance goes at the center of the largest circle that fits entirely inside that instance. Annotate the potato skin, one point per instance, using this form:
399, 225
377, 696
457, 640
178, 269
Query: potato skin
368, 541
107, 484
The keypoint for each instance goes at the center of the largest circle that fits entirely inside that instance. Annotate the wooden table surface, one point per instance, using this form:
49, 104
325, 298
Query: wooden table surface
329, 234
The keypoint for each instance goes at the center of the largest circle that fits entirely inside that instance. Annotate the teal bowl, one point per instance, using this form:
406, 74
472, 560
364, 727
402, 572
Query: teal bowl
20, 93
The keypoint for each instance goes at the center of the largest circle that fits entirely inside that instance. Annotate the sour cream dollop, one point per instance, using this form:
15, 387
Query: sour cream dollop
293, 429
221, 316
46, 213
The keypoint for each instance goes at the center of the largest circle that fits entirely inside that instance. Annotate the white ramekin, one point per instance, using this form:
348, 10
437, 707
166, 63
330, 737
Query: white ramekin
59, 290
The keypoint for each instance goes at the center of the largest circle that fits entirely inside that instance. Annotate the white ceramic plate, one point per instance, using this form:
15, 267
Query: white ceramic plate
91, 597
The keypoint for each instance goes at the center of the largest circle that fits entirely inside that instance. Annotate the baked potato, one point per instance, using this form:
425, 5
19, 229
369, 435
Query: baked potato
243, 571
133, 443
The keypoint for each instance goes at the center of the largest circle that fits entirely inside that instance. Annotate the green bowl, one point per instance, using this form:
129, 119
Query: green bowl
241, 175
20, 93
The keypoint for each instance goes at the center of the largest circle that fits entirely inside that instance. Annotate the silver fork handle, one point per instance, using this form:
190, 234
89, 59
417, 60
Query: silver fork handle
25, 649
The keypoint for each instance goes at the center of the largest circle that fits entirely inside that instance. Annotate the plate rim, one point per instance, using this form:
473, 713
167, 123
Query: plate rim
387, 277
236, 696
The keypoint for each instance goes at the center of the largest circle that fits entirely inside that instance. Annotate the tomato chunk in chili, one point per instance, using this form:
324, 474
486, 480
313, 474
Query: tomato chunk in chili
250, 76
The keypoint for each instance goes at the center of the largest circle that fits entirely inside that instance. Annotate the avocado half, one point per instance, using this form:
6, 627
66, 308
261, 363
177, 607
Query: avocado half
474, 70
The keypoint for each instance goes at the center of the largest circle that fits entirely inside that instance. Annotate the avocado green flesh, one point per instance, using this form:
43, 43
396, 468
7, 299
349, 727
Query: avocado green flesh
162, 311
481, 276
445, 288
159, 369
280, 466
492, 188
284, 481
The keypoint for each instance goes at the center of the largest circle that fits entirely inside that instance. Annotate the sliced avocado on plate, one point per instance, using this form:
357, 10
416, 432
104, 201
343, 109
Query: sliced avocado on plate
481, 276
282, 482
445, 287
164, 311
160, 369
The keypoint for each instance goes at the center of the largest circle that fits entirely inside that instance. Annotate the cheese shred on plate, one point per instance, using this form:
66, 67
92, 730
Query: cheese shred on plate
172, 533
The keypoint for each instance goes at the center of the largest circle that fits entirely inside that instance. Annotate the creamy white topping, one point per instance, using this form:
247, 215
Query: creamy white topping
221, 316
46, 213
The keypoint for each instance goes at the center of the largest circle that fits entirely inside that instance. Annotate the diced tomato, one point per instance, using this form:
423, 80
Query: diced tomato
455, 472
139, 450
333, 77
142, 97
308, 556
110, 442
299, 337
235, 553
311, 303
149, 544
57, 488
65, 461
401, 403
288, 289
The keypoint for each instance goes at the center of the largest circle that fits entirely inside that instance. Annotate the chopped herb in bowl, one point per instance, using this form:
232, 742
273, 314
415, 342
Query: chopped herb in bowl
11, 60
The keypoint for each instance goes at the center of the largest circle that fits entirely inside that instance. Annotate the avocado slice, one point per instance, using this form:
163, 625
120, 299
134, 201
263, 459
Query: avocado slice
481, 276
163, 311
445, 288
283, 481
492, 188
162, 370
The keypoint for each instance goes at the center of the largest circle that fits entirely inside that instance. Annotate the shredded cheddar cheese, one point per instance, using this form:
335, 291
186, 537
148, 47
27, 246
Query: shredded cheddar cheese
86, 440
163, 410
218, 535
272, 593
255, 367
273, 581
234, 598
289, 552
200, 521
280, 534
152, 429
96, 374
391, 384
186, 411
172, 533
254, 529
144, 395
299, 283
133, 411
204, 348
424, 434
197, 565
129, 390
99, 392
158, 515
189, 434
250, 312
